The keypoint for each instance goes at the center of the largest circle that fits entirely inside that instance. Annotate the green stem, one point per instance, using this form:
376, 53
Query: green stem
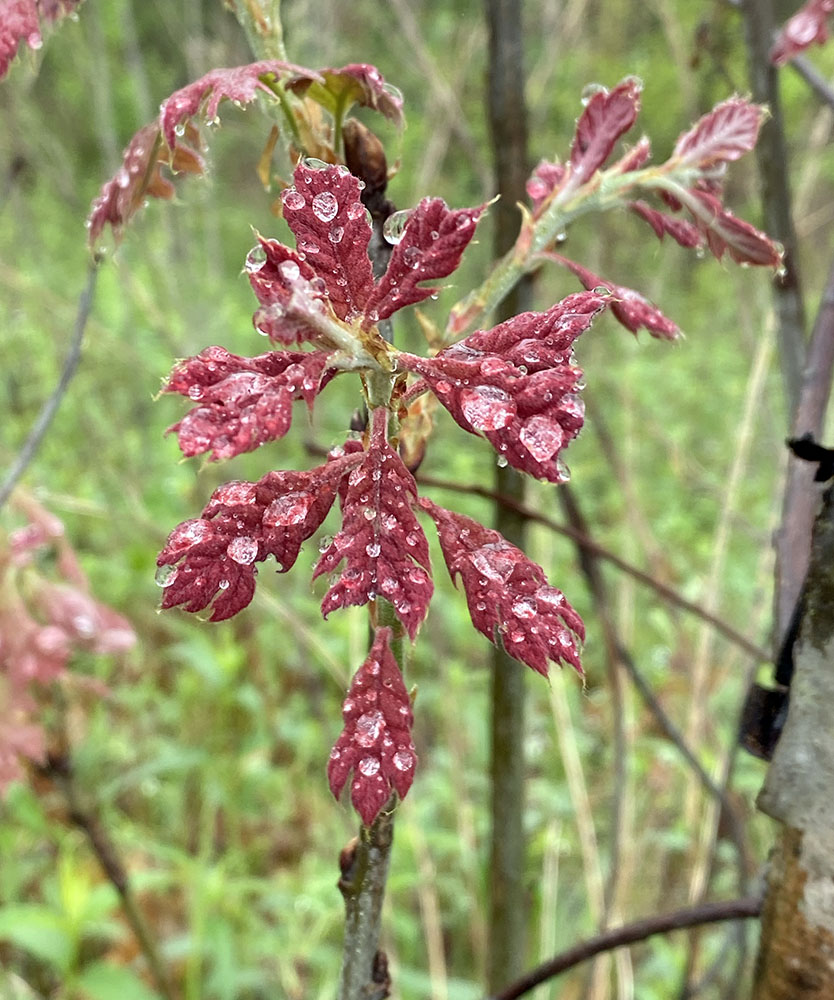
261, 23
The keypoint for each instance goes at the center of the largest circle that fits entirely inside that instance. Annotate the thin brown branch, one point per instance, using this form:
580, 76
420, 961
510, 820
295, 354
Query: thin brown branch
58, 768
669, 594
628, 934
50, 407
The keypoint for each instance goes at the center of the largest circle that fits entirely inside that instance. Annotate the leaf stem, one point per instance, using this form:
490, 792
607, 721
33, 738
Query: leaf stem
261, 23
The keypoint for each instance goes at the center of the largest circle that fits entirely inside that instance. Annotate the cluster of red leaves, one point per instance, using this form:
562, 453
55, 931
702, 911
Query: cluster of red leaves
43, 621
728, 132
173, 138
808, 26
22, 20
515, 384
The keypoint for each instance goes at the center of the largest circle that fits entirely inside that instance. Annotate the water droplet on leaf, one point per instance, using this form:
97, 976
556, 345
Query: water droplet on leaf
165, 575
293, 200
255, 259
242, 550
325, 206
394, 227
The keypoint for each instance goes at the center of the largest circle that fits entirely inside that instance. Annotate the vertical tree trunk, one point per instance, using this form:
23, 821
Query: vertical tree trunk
507, 904
796, 960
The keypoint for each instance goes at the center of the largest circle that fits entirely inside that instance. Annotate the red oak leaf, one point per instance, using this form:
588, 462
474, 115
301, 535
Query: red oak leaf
607, 116
381, 540
509, 598
515, 383
330, 224
431, 247
635, 158
331, 265
355, 83
138, 178
376, 740
725, 232
240, 84
20, 22
631, 308
243, 402
806, 27
681, 231
211, 558
726, 133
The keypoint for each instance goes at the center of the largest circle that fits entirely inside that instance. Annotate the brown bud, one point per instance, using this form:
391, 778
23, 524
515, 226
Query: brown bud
365, 157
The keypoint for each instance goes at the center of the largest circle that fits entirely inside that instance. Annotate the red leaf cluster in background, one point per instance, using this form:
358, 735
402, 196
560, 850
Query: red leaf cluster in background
43, 621
808, 26
20, 21
375, 743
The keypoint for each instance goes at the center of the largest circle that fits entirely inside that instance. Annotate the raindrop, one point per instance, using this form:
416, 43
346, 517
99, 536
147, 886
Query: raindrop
242, 550
541, 437
403, 760
335, 753
195, 391
603, 290
368, 728
502, 462
313, 163
590, 91
368, 766
325, 206
223, 585
255, 259
293, 200
336, 233
524, 608
412, 256
289, 270
325, 543
368, 513
291, 508
355, 210
394, 227
487, 407
372, 549
179, 129
165, 575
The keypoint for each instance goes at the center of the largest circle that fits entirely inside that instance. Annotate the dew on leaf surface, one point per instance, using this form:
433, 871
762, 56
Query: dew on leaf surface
541, 437
293, 200
394, 227
242, 550
412, 256
166, 575
368, 766
487, 407
325, 206
255, 259
403, 760
368, 728
292, 508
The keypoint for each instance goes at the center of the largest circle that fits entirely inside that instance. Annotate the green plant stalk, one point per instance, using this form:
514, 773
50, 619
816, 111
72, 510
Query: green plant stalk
261, 22
364, 975
604, 191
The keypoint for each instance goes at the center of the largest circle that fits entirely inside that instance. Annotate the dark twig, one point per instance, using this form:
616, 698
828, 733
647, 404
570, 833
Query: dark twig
640, 930
50, 407
814, 79
59, 769
667, 593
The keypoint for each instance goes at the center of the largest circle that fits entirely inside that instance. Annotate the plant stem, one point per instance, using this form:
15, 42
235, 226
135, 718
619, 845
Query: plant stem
364, 865
261, 22
508, 848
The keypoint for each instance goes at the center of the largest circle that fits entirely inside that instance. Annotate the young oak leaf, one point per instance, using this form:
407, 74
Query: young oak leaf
631, 308
509, 598
807, 27
683, 232
242, 402
515, 384
240, 84
431, 247
20, 21
138, 178
339, 89
376, 740
607, 116
211, 558
725, 232
324, 210
381, 541
726, 133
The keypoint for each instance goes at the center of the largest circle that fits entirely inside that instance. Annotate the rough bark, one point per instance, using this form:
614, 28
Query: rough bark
796, 961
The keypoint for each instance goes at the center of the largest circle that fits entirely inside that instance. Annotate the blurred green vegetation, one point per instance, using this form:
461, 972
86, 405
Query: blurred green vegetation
206, 759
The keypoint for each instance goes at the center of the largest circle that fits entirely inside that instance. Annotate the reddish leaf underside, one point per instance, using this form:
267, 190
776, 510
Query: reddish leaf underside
138, 178
726, 133
607, 116
682, 231
242, 402
211, 558
20, 22
381, 541
431, 247
375, 743
240, 84
725, 232
509, 598
807, 27
516, 385
631, 308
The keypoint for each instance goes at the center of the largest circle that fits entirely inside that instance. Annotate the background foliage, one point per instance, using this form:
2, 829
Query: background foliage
207, 757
